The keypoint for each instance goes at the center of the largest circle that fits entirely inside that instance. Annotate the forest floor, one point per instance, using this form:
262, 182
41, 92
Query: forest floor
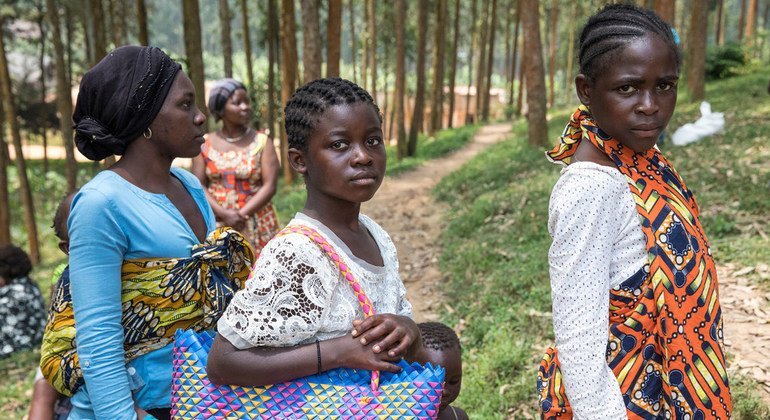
746, 311
405, 207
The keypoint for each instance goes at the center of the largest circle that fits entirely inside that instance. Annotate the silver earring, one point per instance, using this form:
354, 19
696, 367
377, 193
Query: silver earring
147, 133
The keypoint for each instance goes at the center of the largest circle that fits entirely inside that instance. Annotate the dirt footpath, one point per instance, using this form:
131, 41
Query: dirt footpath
407, 211
746, 309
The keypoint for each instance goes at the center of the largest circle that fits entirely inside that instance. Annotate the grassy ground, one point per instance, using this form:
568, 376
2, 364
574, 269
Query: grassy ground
496, 243
18, 370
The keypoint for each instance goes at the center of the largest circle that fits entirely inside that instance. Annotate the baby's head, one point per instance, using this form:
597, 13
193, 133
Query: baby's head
629, 70
442, 347
60, 222
335, 137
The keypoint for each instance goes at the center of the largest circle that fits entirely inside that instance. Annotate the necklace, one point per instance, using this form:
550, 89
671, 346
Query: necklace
234, 139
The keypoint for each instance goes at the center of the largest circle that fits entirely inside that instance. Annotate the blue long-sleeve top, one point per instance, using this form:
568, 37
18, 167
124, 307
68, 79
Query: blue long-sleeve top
111, 221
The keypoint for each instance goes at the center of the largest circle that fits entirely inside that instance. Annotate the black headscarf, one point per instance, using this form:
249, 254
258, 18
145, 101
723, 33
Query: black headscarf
119, 98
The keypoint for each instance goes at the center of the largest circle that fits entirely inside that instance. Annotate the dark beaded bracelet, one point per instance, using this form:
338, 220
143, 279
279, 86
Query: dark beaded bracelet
318, 352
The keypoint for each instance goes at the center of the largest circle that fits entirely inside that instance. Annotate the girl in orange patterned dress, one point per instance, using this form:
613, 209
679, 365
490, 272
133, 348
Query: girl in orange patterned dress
636, 314
239, 167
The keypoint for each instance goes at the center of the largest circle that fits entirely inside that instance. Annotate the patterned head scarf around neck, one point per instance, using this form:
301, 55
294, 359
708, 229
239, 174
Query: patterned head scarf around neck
219, 95
119, 98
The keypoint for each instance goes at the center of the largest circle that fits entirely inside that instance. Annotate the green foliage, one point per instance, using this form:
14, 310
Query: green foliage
18, 373
747, 405
724, 61
430, 147
496, 242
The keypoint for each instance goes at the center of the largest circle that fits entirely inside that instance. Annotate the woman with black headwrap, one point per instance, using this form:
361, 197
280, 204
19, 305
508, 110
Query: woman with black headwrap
137, 269
238, 166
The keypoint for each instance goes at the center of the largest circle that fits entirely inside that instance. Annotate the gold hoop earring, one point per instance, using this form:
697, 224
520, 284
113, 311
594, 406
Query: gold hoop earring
147, 133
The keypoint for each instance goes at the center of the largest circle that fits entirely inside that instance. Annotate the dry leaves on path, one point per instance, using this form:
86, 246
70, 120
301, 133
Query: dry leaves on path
746, 309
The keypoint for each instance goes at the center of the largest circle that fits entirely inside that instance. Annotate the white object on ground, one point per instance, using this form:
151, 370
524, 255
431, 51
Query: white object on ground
708, 124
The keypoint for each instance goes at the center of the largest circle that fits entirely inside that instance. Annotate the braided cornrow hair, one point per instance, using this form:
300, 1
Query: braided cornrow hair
309, 102
438, 336
615, 26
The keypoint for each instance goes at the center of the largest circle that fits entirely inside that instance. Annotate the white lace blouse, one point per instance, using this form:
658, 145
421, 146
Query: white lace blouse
296, 294
597, 244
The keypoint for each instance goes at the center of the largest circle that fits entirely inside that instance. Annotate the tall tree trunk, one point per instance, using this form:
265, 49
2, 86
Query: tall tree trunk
419, 95
453, 64
718, 29
42, 123
119, 29
311, 45
402, 148
365, 49
666, 9
508, 38
751, 20
96, 25
192, 45
63, 95
227, 43
522, 79
272, 55
490, 63
552, 52
5, 209
69, 28
352, 16
372, 39
12, 126
682, 29
537, 129
696, 50
385, 77
742, 20
437, 105
481, 69
473, 40
333, 38
514, 56
568, 76
141, 21
247, 44
288, 74
82, 14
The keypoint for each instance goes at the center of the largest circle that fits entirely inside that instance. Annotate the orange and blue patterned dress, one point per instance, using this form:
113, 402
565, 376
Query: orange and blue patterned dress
665, 342
233, 178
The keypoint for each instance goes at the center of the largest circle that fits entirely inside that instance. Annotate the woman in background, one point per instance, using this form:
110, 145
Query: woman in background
238, 166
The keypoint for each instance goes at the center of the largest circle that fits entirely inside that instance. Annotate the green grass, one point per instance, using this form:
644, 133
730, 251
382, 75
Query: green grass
496, 242
430, 147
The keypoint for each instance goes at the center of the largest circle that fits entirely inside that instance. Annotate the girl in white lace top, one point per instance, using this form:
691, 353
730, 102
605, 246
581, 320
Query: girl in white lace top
297, 315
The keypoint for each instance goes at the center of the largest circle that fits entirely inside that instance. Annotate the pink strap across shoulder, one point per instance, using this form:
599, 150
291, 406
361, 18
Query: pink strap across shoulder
363, 299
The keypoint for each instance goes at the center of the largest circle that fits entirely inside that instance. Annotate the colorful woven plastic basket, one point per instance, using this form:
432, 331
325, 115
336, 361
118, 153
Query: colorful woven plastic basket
415, 393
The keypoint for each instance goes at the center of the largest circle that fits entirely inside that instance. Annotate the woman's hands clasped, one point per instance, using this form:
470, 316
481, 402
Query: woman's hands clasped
394, 335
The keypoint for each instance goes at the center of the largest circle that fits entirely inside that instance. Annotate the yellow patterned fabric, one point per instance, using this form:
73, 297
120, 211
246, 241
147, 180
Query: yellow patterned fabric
159, 296
665, 341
